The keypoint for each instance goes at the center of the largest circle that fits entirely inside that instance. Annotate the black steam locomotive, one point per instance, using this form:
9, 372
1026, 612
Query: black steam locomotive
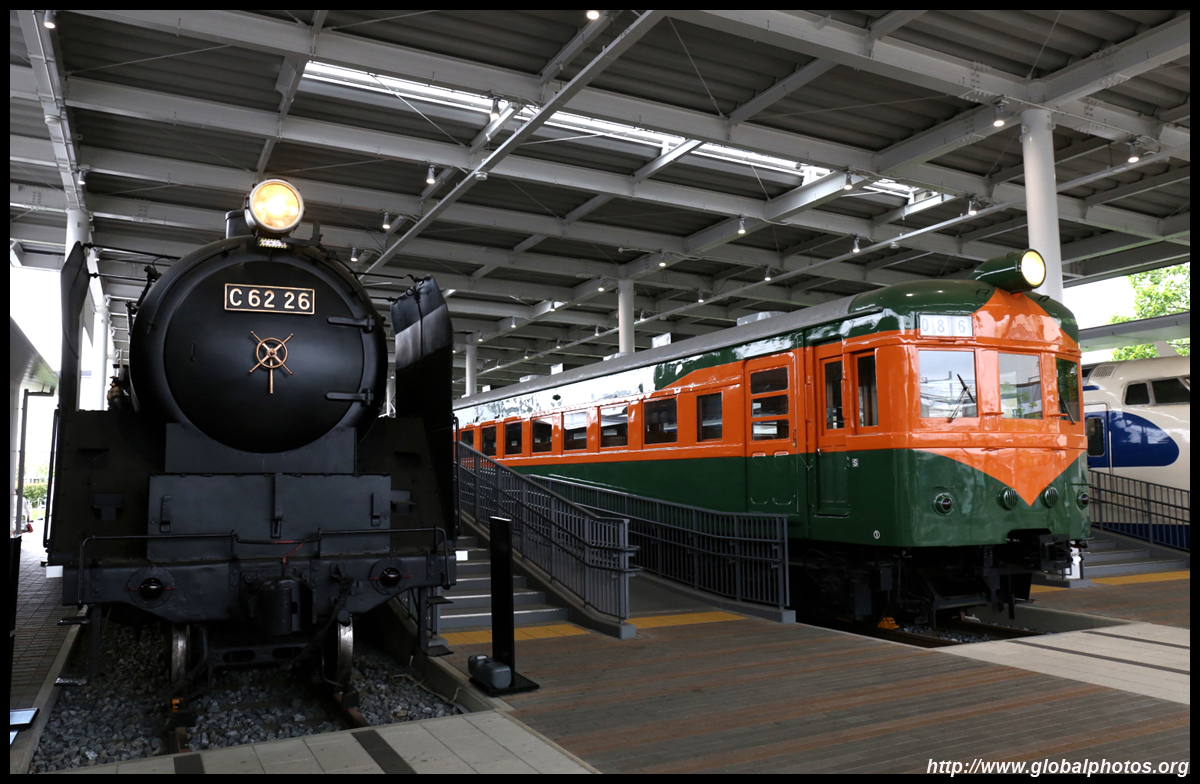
242, 486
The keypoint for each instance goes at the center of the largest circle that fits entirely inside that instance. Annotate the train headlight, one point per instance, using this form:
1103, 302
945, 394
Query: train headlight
1050, 496
1018, 271
1083, 499
943, 504
275, 207
1007, 498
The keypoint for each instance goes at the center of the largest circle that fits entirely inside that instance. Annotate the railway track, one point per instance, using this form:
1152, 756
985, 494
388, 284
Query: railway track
954, 631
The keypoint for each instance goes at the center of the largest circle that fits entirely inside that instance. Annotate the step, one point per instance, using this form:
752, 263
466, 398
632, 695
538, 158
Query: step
454, 617
473, 568
1147, 566
483, 583
1100, 543
1116, 556
466, 542
484, 598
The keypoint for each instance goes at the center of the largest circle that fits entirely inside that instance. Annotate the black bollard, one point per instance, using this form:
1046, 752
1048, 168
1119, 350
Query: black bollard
504, 649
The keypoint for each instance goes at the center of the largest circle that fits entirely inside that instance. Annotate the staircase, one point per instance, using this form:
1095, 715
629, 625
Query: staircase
1112, 555
471, 597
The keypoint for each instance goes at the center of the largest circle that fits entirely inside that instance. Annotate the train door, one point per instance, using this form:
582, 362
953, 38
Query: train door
833, 491
772, 399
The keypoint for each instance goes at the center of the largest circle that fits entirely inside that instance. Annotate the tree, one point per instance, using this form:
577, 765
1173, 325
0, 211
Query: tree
34, 492
1159, 292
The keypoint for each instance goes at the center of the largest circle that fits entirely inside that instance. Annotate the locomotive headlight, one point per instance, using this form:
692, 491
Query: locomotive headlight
1018, 271
1033, 268
943, 504
275, 207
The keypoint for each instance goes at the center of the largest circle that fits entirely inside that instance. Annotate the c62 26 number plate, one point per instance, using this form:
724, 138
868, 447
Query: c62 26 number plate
270, 299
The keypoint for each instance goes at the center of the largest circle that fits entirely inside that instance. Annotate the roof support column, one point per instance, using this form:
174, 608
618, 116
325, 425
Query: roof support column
1041, 196
471, 370
78, 230
625, 316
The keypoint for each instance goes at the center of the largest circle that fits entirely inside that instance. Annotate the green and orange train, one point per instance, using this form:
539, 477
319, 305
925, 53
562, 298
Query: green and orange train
925, 440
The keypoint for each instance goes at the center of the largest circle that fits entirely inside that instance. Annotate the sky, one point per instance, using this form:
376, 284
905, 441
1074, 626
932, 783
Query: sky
33, 301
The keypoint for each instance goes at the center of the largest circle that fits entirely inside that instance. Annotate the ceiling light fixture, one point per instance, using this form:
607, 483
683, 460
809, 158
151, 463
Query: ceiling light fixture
741, 224
600, 287
1001, 115
972, 206
700, 297
1135, 150
429, 178
849, 184
48, 19
767, 277
387, 221
593, 15
856, 250
353, 253
495, 113
662, 262
80, 177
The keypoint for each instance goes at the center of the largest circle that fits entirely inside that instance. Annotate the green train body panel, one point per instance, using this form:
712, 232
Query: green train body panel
889, 491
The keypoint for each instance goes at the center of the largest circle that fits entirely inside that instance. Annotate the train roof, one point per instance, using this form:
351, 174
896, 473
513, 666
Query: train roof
1118, 373
901, 301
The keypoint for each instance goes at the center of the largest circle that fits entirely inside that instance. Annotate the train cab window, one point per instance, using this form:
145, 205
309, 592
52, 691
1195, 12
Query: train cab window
1094, 428
488, 440
773, 380
948, 384
512, 439
1020, 387
575, 430
834, 420
868, 394
467, 437
1170, 392
1137, 395
543, 433
1068, 388
708, 417
614, 426
661, 425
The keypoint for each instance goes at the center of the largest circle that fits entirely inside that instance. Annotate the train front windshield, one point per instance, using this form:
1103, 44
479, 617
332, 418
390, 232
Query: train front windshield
964, 383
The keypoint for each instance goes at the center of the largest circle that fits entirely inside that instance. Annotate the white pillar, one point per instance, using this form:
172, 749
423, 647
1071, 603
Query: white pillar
78, 229
625, 316
389, 405
470, 369
1041, 196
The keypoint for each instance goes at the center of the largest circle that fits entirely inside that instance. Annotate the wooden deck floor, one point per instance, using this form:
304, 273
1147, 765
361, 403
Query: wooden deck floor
755, 696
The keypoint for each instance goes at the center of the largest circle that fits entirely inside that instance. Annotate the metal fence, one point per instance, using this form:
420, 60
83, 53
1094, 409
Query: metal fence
742, 556
1153, 513
586, 553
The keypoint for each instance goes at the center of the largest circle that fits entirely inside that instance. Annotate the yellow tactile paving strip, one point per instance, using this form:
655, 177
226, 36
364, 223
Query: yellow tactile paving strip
523, 633
656, 621
1145, 578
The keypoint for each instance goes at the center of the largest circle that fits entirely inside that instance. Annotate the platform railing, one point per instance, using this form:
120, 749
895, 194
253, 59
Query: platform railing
741, 556
1153, 513
586, 553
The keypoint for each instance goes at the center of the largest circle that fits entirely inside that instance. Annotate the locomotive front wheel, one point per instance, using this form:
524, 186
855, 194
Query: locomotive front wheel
339, 654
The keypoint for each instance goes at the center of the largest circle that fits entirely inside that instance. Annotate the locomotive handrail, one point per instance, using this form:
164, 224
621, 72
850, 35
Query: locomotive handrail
588, 555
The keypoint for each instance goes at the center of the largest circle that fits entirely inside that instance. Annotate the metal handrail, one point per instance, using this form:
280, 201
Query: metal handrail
742, 556
587, 554
1151, 512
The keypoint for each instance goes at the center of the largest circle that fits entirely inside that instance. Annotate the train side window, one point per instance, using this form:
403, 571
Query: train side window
614, 426
1020, 387
769, 406
512, 439
1068, 388
773, 380
543, 434
575, 430
948, 384
488, 440
868, 403
1137, 395
708, 417
1170, 392
769, 430
661, 425
467, 437
1093, 426
833, 396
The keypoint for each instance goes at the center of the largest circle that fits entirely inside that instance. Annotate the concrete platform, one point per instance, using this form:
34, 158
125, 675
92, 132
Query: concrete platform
487, 742
1163, 598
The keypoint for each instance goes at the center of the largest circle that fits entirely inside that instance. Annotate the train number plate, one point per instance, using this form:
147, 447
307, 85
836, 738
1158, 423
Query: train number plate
270, 299
946, 326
